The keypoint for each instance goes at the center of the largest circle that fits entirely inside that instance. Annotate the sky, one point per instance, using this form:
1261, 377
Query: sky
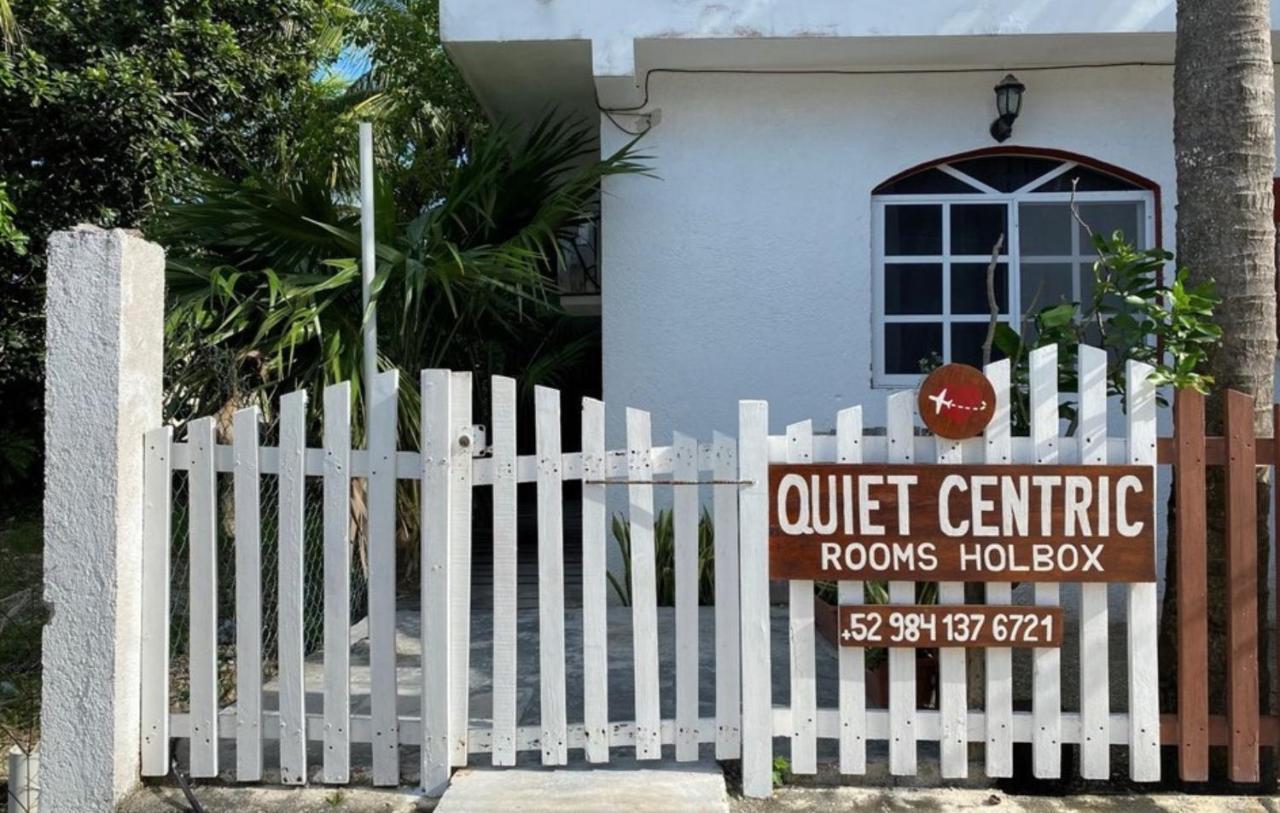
350, 64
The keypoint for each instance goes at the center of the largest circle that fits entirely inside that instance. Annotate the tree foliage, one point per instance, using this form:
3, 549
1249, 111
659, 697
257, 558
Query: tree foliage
264, 270
425, 115
110, 107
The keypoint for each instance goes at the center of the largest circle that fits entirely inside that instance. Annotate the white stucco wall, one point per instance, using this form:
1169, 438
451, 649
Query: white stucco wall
744, 271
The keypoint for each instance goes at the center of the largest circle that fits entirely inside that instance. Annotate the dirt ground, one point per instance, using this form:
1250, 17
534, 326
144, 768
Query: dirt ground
900, 800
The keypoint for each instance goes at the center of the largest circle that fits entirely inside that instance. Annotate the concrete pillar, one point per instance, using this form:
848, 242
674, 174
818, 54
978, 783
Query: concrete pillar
105, 340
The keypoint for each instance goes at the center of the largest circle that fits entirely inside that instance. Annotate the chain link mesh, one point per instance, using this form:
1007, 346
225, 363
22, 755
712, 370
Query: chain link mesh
225, 543
22, 617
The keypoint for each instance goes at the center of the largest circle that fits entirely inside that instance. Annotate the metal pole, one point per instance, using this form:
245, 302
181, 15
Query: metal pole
368, 264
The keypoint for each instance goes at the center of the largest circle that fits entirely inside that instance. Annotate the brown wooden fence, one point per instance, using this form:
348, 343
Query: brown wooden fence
1243, 729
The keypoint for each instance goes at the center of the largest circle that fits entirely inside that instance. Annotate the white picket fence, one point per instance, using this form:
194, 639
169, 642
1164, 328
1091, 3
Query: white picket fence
746, 717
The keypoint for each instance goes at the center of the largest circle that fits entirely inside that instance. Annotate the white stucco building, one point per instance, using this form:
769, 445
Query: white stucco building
772, 257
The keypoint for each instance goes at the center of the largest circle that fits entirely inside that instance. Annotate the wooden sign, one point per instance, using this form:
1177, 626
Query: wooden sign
963, 626
962, 523
956, 401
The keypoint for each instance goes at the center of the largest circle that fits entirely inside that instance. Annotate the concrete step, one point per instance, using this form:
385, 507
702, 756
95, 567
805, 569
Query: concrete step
622, 785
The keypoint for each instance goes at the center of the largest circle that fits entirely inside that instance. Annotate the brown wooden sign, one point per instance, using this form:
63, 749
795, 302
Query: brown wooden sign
960, 626
962, 523
956, 401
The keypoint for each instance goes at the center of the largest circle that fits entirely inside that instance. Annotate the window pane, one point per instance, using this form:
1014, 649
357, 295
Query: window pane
1105, 218
1044, 229
912, 288
913, 230
975, 227
1006, 172
966, 343
969, 288
929, 182
1089, 180
1045, 285
907, 345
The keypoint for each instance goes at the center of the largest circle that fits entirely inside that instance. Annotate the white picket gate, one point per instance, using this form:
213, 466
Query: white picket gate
746, 718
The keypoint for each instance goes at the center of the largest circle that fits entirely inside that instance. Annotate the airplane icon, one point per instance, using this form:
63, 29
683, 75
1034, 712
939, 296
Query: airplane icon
941, 402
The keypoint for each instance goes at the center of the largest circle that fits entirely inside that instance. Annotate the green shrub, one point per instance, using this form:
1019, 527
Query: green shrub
664, 554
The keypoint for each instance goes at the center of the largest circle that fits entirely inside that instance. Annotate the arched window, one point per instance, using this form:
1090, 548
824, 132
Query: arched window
935, 228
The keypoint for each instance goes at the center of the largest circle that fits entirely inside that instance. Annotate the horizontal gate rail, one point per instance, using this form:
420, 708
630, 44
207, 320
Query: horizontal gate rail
622, 734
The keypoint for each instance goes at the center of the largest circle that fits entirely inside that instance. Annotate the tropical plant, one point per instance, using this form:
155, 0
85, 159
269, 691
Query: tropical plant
1132, 315
10, 236
8, 25
265, 271
664, 555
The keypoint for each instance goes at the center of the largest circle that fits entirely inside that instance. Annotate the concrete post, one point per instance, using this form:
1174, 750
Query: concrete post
105, 339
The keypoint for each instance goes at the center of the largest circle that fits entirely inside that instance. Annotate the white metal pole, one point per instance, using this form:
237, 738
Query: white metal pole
368, 263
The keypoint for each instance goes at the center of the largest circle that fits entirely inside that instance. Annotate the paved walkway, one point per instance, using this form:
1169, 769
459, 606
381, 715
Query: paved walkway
621, 679
623, 786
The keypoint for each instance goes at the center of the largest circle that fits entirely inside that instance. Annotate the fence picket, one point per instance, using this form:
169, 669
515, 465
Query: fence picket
1046, 687
337, 583
290, 580
203, 621
1193, 617
724, 508
505, 582
998, 711
803, 657
953, 700
684, 509
852, 663
555, 749
753, 564
1144, 695
437, 487
1095, 623
156, 533
742, 615
383, 432
900, 432
1242, 597
460, 566
644, 606
595, 610
1275, 557
248, 597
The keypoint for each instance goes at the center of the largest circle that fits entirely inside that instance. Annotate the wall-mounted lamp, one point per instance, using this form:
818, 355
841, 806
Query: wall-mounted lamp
1008, 106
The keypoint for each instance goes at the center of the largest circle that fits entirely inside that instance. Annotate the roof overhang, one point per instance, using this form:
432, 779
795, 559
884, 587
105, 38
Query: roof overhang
524, 57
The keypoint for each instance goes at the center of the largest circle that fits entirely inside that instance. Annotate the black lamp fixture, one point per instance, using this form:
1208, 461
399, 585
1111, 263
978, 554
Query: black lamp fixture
1008, 106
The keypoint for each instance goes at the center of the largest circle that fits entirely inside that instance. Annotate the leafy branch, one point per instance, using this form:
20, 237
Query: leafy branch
1131, 315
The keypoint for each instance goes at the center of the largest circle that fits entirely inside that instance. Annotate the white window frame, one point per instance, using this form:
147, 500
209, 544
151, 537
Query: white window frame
1011, 256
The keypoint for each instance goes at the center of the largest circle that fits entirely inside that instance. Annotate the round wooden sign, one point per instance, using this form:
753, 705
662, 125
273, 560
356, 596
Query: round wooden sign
956, 401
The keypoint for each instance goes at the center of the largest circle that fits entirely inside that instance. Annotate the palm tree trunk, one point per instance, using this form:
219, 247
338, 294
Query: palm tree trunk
1224, 146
